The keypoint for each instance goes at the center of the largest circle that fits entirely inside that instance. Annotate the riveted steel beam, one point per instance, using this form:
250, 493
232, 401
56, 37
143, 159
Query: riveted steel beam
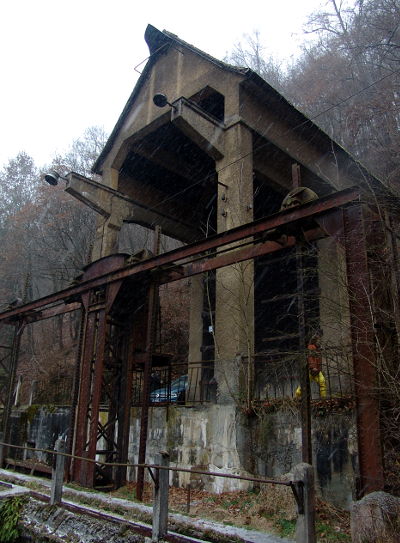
285, 218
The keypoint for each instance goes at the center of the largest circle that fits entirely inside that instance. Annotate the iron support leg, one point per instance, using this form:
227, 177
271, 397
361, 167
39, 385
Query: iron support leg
305, 408
11, 384
364, 359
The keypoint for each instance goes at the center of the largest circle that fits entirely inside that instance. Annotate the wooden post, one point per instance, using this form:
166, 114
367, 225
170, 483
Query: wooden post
303, 475
160, 502
188, 488
57, 474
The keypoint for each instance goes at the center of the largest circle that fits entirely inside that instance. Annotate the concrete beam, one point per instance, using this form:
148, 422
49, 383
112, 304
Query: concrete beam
165, 159
205, 131
100, 198
118, 208
267, 168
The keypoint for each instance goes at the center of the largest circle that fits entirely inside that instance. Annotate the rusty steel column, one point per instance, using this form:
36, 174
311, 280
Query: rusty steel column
150, 335
124, 407
84, 414
97, 382
144, 419
305, 407
364, 357
75, 395
305, 402
296, 176
16, 342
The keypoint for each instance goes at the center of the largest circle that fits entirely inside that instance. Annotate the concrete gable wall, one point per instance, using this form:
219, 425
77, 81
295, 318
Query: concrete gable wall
180, 72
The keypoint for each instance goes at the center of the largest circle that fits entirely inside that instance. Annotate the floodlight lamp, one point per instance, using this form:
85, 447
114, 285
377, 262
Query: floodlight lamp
53, 177
160, 100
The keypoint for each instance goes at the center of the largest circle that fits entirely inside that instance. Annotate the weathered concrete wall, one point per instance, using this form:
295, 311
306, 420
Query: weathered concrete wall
203, 438
37, 427
221, 438
276, 447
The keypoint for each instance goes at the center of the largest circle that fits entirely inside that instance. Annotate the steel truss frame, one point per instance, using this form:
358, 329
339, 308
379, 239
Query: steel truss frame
107, 354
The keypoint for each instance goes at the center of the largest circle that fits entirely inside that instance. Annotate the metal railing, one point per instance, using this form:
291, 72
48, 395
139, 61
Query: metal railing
179, 384
302, 487
277, 375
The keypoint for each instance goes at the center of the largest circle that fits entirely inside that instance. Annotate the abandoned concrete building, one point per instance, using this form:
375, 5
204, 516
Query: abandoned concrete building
275, 222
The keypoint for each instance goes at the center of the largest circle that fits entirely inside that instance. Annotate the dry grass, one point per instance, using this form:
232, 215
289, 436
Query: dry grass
272, 508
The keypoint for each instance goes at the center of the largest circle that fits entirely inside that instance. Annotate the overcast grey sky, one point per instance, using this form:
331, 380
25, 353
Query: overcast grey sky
67, 65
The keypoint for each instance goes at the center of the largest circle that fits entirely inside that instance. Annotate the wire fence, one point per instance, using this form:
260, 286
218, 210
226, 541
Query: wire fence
276, 376
302, 487
53, 452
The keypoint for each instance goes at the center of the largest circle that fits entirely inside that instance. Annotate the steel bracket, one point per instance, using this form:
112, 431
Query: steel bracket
153, 476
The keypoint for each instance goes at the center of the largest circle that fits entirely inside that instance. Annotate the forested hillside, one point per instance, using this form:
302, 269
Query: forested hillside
347, 79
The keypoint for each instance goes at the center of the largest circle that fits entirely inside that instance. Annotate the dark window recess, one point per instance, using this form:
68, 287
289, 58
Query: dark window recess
276, 300
211, 101
277, 319
267, 201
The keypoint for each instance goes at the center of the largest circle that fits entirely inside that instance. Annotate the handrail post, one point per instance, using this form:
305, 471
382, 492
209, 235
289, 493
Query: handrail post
303, 487
57, 473
160, 502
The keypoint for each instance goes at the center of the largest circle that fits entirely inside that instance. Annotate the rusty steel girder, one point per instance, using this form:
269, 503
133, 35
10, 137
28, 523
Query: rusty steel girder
182, 256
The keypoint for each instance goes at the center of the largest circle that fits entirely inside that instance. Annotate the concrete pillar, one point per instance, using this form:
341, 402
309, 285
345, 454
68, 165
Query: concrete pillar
32, 394
57, 474
334, 299
106, 238
18, 391
334, 316
234, 319
160, 499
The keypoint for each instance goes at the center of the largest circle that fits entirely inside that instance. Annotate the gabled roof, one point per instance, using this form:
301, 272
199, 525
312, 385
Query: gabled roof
158, 41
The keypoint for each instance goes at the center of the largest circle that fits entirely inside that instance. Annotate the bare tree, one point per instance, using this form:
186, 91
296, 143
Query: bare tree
252, 54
